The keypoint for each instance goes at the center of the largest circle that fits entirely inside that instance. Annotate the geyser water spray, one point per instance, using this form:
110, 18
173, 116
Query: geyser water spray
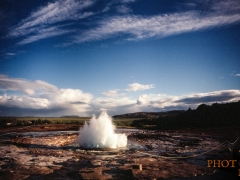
100, 133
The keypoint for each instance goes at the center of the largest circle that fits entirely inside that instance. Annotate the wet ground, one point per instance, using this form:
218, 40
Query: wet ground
41, 153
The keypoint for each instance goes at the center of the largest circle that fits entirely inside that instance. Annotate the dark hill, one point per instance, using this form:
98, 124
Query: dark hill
147, 114
205, 116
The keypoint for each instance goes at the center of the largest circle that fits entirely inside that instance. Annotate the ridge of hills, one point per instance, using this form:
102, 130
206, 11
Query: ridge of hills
147, 114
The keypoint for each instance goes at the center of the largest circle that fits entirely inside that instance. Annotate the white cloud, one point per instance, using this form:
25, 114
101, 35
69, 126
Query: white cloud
111, 93
156, 100
43, 96
131, 87
183, 102
237, 74
24, 102
74, 96
137, 87
44, 99
112, 102
163, 102
25, 86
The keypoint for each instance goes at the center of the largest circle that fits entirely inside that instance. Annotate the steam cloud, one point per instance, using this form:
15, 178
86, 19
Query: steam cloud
99, 133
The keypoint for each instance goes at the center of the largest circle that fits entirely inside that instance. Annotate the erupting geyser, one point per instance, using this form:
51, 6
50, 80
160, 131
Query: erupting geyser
99, 133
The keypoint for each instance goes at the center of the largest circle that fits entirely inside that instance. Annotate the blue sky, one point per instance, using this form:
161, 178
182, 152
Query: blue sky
72, 57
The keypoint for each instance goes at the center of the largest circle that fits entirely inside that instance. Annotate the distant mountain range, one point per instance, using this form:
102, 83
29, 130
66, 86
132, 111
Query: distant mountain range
148, 114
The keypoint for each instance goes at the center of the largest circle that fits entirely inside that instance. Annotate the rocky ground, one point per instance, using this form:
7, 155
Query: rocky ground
150, 155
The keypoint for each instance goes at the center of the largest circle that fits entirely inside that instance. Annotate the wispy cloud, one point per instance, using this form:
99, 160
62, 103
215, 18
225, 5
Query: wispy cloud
58, 11
229, 6
10, 54
139, 27
42, 23
45, 21
237, 74
120, 6
127, 1
123, 9
45, 33
219, 13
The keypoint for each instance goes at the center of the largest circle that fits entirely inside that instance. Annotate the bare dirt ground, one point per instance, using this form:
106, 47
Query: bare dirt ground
168, 155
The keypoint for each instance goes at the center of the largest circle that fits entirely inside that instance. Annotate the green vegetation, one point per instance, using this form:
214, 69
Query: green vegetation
21, 121
26, 121
125, 122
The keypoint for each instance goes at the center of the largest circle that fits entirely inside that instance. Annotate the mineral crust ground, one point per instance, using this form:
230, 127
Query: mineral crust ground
51, 152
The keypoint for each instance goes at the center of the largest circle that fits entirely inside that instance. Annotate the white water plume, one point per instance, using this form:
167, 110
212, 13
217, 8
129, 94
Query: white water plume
100, 133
